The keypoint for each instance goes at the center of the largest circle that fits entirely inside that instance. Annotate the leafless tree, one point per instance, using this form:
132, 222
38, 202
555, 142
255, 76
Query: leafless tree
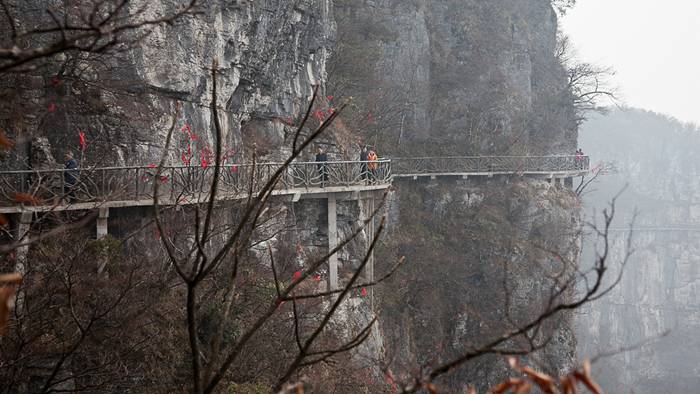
589, 84
570, 289
600, 169
205, 256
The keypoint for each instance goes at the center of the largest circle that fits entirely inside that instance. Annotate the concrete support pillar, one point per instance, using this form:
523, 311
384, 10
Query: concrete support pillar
102, 219
369, 271
366, 209
23, 237
332, 243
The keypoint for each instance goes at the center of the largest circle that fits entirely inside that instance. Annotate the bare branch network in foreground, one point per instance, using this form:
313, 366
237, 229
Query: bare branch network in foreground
526, 337
78, 26
209, 255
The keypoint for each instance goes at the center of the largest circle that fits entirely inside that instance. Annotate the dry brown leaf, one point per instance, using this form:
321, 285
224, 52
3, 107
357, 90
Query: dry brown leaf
588, 382
505, 386
7, 297
544, 381
25, 198
5, 142
3, 220
471, 390
12, 279
587, 368
568, 385
523, 388
432, 389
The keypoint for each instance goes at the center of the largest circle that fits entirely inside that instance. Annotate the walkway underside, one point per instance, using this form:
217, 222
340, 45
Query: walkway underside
120, 187
296, 194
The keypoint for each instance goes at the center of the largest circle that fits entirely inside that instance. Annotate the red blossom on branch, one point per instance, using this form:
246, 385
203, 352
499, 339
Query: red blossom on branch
83, 142
52, 107
320, 115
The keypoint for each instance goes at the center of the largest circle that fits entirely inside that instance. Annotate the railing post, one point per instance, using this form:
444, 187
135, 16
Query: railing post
24, 239
102, 218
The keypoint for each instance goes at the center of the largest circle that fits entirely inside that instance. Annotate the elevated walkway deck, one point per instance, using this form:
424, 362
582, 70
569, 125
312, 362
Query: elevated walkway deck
120, 187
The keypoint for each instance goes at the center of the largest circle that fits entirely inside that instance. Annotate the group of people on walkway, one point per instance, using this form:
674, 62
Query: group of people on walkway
368, 165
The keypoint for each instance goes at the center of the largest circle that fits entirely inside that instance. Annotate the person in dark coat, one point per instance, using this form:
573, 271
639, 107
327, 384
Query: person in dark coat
321, 158
70, 176
364, 153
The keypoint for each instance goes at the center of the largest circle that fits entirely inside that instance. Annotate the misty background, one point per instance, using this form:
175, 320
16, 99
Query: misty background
650, 141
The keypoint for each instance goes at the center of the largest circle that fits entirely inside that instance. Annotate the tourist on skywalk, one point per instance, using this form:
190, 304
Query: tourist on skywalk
579, 158
70, 176
321, 158
364, 154
372, 165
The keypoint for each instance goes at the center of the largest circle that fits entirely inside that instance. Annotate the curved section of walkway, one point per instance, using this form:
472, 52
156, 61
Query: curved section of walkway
46, 190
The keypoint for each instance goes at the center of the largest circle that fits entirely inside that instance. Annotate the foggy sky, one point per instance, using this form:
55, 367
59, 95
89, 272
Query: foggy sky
654, 46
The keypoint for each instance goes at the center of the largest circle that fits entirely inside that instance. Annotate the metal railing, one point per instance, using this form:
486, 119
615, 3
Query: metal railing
191, 183
179, 183
491, 164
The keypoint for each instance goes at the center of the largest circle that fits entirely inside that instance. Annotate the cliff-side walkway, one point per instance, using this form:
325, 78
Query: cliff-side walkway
117, 187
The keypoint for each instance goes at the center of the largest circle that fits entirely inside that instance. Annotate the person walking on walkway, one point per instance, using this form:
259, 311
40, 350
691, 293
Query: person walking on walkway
70, 176
364, 154
579, 158
372, 165
322, 158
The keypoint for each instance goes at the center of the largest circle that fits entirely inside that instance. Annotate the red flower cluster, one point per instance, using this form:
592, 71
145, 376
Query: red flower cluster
83, 142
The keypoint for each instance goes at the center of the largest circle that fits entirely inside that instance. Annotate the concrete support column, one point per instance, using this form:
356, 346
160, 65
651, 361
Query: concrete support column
25, 224
332, 243
369, 270
102, 219
366, 209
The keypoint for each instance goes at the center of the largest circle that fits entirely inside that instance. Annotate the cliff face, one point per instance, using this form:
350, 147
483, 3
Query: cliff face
468, 77
429, 77
270, 54
476, 256
661, 284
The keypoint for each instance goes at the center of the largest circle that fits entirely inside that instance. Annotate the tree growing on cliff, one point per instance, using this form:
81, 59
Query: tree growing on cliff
589, 85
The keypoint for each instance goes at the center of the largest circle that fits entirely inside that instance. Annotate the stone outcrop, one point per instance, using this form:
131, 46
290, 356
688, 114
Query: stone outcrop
475, 254
467, 77
270, 53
